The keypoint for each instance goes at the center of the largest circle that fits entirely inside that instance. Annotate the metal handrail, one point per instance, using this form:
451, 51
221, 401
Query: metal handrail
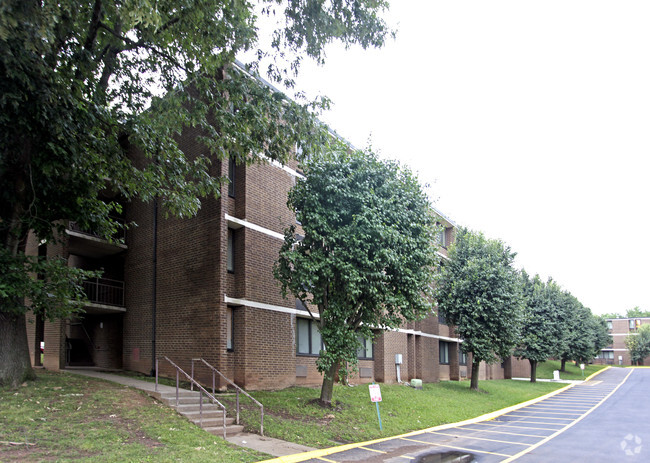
105, 291
237, 389
201, 390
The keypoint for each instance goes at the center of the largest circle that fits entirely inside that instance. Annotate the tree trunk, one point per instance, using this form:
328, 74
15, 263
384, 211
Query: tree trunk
563, 365
328, 386
15, 367
474, 381
533, 370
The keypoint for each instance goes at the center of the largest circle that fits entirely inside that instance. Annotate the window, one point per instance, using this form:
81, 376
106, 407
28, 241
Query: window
230, 264
632, 324
462, 357
230, 328
444, 353
609, 325
231, 177
606, 354
442, 236
441, 318
308, 339
365, 351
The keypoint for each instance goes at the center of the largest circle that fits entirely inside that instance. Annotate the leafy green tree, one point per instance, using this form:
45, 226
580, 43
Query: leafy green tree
636, 312
541, 327
584, 334
80, 91
368, 254
608, 315
601, 334
639, 345
480, 293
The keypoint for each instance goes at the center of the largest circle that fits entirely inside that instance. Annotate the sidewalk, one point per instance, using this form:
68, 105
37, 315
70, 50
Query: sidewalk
269, 445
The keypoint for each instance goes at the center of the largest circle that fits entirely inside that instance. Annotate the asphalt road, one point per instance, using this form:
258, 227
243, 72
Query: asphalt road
616, 431
605, 419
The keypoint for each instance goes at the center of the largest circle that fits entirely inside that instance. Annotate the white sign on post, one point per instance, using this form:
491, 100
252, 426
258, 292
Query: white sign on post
375, 393
582, 366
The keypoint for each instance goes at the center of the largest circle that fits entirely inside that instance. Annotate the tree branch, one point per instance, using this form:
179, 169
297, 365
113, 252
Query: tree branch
94, 26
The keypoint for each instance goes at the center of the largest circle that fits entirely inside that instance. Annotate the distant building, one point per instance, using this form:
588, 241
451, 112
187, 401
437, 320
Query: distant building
619, 329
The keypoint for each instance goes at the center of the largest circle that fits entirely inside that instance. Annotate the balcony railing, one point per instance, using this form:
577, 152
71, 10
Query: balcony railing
105, 291
120, 234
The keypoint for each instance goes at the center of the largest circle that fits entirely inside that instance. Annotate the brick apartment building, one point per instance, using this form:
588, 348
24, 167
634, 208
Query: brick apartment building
203, 287
619, 329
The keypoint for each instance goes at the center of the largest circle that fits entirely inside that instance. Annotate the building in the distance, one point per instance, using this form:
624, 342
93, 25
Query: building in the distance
620, 329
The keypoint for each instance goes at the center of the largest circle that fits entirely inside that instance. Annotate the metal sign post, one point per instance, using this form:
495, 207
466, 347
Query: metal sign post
375, 396
582, 369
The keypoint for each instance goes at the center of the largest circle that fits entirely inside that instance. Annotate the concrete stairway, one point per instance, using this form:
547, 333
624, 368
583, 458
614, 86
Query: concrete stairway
188, 405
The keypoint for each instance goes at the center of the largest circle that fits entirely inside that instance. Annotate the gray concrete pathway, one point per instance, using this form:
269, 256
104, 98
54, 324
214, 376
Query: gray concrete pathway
269, 445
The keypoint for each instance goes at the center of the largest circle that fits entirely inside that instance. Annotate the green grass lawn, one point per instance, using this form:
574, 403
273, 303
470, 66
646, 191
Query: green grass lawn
292, 414
545, 370
69, 417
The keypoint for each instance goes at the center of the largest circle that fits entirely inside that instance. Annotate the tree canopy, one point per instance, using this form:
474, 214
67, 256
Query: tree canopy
368, 254
541, 330
583, 335
479, 293
634, 312
84, 84
639, 344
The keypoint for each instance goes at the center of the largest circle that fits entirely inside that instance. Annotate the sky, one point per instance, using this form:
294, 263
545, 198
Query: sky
528, 120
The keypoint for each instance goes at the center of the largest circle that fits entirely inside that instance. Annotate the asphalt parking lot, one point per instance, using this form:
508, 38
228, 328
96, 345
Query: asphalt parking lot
604, 419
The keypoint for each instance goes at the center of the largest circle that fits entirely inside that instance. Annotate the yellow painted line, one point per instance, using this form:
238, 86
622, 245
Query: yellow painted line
596, 373
478, 438
456, 447
299, 457
501, 432
372, 450
557, 433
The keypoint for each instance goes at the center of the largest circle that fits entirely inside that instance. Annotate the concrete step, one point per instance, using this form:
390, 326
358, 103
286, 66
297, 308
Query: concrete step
212, 422
187, 400
191, 408
231, 430
192, 416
